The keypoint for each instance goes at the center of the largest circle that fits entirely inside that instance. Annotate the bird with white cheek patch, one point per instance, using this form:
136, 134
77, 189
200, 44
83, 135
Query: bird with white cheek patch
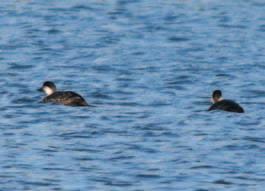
224, 104
68, 98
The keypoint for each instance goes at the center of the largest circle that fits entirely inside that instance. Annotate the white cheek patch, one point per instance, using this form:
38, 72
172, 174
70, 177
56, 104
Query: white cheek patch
47, 90
213, 101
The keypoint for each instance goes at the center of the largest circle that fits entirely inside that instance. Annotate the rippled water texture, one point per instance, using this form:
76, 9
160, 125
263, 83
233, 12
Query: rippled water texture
149, 68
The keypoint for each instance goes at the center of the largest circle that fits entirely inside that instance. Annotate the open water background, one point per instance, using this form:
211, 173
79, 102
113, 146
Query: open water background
149, 68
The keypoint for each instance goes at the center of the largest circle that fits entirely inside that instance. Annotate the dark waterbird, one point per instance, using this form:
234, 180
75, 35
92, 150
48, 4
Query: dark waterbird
68, 98
223, 104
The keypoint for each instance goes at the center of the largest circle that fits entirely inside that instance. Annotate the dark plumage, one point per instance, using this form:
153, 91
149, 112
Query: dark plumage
223, 104
68, 98
227, 105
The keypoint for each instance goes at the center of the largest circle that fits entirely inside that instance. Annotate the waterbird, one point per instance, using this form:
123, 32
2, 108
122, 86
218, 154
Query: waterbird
224, 104
68, 98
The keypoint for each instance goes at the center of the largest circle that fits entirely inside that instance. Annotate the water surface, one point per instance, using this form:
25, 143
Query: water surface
149, 68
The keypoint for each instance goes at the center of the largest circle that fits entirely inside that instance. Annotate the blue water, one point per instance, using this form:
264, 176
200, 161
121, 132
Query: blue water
149, 68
